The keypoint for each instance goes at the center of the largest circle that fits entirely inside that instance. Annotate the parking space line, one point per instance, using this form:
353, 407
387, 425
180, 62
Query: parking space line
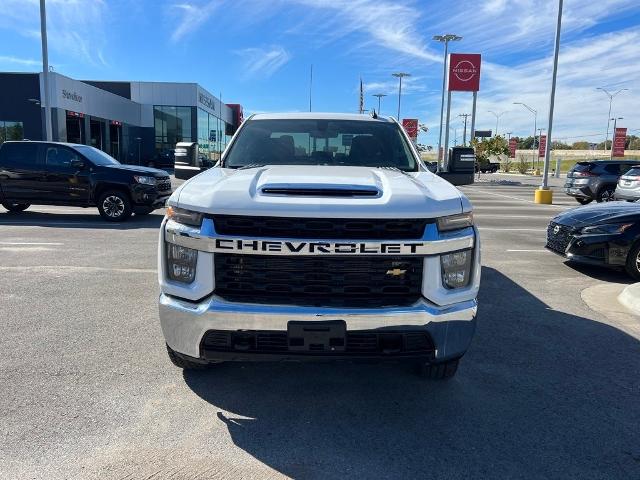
515, 198
31, 243
507, 229
528, 251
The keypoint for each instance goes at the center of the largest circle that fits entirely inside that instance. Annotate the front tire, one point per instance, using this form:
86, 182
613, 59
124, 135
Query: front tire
633, 262
584, 201
181, 362
114, 206
438, 371
16, 207
606, 195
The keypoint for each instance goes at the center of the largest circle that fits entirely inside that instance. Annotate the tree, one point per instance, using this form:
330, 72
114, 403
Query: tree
582, 145
525, 143
489, 147
557, 145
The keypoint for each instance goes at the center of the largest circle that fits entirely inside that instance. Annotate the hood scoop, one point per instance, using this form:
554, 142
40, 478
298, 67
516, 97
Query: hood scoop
320, 191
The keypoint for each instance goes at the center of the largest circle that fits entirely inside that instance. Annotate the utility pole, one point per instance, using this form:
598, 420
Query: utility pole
449, 37
45, 72
379, 95
400, 75
611, 96
464, 135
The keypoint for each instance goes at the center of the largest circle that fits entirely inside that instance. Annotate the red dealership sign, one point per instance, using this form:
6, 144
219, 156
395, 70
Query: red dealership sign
619, 140
543, 145
513, 145
410, 126
464, 72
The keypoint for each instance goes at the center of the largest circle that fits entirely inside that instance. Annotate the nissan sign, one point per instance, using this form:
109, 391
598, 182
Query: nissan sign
464, 72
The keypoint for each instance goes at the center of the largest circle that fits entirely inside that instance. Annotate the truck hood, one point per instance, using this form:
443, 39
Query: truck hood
320, 192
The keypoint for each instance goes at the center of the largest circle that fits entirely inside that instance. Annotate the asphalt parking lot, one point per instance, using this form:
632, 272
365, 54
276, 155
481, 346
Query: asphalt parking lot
549, 389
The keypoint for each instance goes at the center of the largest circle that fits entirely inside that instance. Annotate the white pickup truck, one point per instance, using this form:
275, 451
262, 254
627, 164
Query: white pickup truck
319, 236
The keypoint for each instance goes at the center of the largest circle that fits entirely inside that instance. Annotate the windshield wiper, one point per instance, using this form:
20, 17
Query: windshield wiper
251, 165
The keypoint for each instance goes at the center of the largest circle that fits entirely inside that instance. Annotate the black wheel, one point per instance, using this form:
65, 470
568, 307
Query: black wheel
181, 362
114, 206
16, 207
606, 195
438, 371
584, 201
144, 211
633, 262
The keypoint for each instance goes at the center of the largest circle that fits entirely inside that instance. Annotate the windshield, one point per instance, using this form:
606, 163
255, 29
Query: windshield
321, 142
97, 157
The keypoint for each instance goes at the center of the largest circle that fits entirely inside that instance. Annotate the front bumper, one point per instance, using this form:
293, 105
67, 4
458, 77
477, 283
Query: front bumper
184, 324
149, 196
600, 250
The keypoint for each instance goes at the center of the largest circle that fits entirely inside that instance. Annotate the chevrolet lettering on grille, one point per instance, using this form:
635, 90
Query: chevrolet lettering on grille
318, 248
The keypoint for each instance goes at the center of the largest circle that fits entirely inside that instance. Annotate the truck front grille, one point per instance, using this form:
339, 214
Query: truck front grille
360, 342
359, 282
320, 228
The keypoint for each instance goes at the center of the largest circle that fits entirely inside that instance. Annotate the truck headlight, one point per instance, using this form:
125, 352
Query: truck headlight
456, 269
144, 180
181, 263
455, 222
186, 217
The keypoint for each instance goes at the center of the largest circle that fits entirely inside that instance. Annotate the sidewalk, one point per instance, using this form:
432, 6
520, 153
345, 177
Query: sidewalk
555, 183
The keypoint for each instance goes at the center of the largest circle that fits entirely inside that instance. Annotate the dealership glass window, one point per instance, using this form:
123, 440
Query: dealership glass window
11, 131
172, 124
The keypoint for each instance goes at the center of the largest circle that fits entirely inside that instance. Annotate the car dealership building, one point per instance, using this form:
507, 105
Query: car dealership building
135, 122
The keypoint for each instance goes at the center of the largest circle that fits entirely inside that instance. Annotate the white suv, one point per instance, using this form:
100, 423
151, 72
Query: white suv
319, 236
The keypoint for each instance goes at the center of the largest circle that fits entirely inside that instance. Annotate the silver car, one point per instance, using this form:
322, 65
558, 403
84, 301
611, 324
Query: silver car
628, 187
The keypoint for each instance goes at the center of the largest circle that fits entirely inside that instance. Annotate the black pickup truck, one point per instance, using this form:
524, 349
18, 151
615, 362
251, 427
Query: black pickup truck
52, 173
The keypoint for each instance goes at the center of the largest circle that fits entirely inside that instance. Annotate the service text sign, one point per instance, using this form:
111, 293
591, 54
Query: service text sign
542, 145
464, 72
619, 139
410, 126
513, 145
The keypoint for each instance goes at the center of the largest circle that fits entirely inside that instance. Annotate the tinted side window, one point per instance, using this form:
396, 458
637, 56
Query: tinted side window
624, 168
19, 155
59, 157
583, 167
612, 168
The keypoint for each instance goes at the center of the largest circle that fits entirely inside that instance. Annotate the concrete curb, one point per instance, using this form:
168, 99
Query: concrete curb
630, 298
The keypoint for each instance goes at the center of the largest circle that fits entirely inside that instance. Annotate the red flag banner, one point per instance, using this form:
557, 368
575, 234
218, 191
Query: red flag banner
513, 145
464, 72
410, 126
543, 145
619, 140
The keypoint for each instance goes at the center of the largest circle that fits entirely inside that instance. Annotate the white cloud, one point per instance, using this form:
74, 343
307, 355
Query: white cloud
263, 62
193, 16
74, 27
26, 62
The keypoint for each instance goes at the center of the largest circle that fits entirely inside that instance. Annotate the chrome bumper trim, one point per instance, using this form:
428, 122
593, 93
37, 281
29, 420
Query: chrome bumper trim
185, 323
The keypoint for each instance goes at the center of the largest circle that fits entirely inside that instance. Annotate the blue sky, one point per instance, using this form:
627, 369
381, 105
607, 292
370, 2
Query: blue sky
258, 53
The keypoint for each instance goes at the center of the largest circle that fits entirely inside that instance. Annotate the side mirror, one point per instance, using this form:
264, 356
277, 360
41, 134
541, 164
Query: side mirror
76, 163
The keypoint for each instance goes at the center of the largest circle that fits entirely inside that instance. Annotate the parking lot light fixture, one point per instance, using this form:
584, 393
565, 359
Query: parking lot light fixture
379, 95
611, 97
497, 115
535, 127
449, 37
400, 76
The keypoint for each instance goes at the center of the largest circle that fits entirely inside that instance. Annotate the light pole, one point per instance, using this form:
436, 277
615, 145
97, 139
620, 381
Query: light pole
449, 37
613, 136
497, 115
379, 95
509, 134
535, 127
400, 75
45, 71
464, 136
610, 95
544, 194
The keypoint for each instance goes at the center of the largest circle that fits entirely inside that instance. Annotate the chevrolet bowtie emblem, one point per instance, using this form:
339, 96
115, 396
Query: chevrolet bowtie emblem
396, 272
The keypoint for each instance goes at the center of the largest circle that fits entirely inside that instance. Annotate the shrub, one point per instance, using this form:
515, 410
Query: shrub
523, 166
506, 165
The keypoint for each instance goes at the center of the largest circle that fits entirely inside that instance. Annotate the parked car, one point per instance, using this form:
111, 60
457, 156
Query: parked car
53, 173
607, 235
282, 253
595, 179
629, 186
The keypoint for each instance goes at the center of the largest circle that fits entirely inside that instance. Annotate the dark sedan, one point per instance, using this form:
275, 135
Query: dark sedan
606, 234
